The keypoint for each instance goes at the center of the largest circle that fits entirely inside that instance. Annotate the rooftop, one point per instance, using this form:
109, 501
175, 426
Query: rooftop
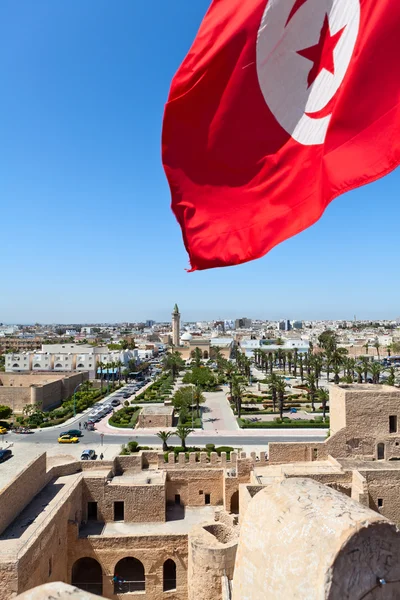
179, 522
157, 410
147, 477
318, 467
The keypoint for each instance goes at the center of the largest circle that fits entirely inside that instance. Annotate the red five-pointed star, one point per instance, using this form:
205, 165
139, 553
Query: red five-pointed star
322, 53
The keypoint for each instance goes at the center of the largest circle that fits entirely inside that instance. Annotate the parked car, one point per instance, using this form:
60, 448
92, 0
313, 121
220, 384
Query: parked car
5, 455
126, 396
68, 439
115, 402
88, 455
73, 432
22, 430
3, 430
90, 426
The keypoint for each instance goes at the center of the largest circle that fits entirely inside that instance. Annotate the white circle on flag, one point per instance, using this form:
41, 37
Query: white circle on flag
288, 27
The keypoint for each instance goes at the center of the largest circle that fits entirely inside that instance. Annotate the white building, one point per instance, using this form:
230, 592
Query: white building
69, 357
18, 362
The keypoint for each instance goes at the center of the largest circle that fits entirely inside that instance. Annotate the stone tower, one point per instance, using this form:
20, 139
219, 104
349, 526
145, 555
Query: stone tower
176, 325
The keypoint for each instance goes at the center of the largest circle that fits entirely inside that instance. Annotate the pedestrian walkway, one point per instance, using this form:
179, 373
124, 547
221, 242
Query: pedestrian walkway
217, 414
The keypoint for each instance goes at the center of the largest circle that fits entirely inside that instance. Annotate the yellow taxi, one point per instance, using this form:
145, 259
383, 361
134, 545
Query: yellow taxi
3, 430
68, 439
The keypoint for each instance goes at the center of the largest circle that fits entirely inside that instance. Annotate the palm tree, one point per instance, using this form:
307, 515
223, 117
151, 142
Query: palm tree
230, 370
164, 436
289, 356
198, 398
359, 369
376, 369
238, 390
336, 369
328, 363
377, 346
280, 390
323, 396
118, 365
365, 363
101, 366
366, 346
295, 355
272, 382
173, 362
301, 368
182, 431
312, 390
197, 355
391, 380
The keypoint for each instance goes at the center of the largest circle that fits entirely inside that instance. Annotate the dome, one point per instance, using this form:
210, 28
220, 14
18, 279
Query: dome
186, 337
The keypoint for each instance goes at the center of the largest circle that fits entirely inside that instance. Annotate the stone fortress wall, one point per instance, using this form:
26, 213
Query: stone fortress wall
330, 504
45, 389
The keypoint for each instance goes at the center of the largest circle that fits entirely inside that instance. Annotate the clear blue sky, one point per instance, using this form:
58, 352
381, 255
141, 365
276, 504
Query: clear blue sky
87, 233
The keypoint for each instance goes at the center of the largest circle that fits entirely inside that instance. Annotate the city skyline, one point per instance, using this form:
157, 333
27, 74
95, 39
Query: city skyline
90, 235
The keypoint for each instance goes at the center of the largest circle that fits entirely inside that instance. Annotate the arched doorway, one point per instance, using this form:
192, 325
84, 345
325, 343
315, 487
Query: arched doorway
87, 575
129, 576
235, 503
169, 575
205, 354
381, 451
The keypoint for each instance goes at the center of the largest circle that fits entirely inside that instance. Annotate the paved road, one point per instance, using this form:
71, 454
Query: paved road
90, 438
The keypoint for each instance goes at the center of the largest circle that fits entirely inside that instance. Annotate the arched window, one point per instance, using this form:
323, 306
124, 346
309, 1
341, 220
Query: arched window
129, 576
381, 451
36, 366
81, 366
205, 354
58, 366
87, 575
15, 366
169, 575
235, 503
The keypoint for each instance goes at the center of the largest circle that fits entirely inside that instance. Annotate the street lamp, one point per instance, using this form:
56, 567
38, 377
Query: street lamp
78, 386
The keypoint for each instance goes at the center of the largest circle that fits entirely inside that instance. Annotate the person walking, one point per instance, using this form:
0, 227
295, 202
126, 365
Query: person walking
101, 456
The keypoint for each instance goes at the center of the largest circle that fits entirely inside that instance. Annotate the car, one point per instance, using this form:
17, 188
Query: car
73, 432
3, 430
126, 396
115, 402
88, 455
5, 455
68, 439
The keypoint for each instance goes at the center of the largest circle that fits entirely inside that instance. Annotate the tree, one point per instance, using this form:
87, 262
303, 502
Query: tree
230, 370
323, 396
5, 411
377, 346
197, 355
101, 366
173, 363
164, 437
125, 374
272, 383
119, 365
198, 398
391, 380
182, 431
312, 389
202, 376
328, 340
375, 369
238, 390
280, 390
359, 369
183, 397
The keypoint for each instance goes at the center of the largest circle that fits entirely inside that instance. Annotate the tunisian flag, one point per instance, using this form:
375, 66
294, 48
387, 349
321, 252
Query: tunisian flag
279, 107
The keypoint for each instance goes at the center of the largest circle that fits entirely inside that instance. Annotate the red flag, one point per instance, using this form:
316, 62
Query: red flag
279, 107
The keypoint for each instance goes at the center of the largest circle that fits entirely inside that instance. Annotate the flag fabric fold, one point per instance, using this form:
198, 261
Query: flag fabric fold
279, 107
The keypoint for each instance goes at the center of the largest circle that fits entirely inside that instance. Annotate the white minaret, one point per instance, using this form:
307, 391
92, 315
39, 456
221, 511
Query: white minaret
176, 325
